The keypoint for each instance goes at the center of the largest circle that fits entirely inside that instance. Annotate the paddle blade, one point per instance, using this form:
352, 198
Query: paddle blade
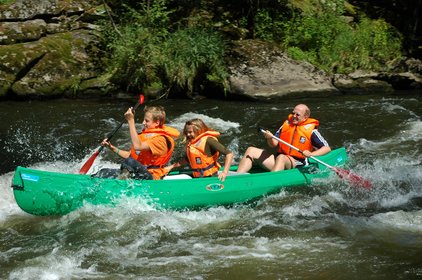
140, 102
353, 179
85, 168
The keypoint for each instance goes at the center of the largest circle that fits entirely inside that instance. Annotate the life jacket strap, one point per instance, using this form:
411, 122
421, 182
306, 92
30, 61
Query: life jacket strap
202, 170
154, 166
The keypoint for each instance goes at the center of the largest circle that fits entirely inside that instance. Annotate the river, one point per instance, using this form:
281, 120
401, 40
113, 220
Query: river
335, 231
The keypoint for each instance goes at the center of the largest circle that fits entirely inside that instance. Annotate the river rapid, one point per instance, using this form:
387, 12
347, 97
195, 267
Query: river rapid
330, 231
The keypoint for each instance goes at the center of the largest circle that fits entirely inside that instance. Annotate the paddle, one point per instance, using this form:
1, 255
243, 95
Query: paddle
354, 179
85, 168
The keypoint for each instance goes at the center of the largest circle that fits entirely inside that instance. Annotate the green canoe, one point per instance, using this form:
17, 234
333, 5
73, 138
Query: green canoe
50, 193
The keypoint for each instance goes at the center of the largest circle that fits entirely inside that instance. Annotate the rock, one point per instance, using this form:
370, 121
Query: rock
16, 32
354, 84
50, 48
21, 10
404, 75
263, 71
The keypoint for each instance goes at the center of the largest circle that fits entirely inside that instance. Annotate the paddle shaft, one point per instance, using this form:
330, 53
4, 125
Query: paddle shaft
85, 168
299, 150
120, 125
345, 174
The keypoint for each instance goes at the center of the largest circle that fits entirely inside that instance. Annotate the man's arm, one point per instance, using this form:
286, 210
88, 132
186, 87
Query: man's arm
320, 144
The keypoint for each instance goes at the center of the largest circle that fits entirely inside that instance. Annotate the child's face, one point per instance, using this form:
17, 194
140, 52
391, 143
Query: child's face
149, 122
190, 133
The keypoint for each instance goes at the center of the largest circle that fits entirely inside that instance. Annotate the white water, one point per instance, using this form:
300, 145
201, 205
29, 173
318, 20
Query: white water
326, 232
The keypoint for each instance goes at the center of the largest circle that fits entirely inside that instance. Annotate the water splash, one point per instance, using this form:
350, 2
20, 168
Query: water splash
216, 123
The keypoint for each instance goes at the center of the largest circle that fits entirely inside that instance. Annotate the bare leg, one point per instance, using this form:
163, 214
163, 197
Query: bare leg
253, 154
283, 162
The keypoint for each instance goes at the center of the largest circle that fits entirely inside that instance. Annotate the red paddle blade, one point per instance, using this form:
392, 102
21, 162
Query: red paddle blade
85, 168
140, 102
354, 179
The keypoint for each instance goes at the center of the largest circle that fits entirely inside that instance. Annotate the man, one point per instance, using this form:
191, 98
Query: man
299, 130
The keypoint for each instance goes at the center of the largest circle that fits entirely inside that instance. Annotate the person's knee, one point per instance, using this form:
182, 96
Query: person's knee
135, 169
249, 150
280, 162
130, 164
253, 152
107, 173
281, 158
284, 162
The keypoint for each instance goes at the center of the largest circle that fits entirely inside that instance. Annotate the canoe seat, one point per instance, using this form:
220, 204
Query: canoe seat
177, 177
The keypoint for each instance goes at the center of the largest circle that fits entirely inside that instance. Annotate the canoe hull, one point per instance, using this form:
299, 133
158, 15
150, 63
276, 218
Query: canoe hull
49, 193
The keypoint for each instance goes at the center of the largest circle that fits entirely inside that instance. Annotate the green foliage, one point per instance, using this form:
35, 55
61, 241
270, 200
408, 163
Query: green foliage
6, 2
381, 42
263, 28
135, 51
145, 53
193, 53
133, 57
299, 54
176, 48
322, 35
328, 41
269, 25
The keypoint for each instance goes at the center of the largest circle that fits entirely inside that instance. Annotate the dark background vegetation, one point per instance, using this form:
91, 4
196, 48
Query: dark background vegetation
176, 46
183, 47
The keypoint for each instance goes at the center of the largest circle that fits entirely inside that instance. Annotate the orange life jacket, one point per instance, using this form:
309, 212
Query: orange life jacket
202, 164
297, 135
155, 163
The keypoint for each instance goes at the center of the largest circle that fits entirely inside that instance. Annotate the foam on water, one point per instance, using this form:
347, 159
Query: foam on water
401, 220
215, 123
393, 164
56, 265
317, 232
8, 206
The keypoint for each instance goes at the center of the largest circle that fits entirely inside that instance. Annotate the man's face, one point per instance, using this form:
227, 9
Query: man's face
298, 115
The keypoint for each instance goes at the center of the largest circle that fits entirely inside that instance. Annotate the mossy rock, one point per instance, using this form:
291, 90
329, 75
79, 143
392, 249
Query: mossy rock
53, 65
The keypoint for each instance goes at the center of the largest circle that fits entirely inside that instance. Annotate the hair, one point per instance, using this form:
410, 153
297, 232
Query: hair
158, 113
307, 110
198, 127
